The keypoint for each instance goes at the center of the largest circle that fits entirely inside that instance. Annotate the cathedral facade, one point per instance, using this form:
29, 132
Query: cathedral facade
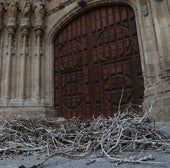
84, 57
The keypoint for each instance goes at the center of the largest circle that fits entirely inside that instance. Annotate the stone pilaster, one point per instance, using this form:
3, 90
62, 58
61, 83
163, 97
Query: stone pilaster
25, 27
9, 54
1, 65
39, 28
1, 27
10, 50
24, 54
38, 53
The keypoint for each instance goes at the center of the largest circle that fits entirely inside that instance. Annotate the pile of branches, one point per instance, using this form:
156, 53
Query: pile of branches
75, 138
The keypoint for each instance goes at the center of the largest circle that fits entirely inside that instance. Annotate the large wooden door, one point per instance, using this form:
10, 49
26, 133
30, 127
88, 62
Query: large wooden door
97, 63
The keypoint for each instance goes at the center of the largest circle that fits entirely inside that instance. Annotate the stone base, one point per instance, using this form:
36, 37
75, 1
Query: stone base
25, 112
159, 108
157, 101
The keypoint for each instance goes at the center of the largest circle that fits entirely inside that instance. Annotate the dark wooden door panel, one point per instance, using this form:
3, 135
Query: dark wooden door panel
96, 62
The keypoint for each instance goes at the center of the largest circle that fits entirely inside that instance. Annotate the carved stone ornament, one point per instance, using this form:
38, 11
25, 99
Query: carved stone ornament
1, 13
39, 13
144, 7
11, 14
39, 50
11, 50
26, 12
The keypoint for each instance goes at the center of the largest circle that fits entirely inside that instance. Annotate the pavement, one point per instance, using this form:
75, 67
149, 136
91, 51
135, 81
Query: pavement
161, 159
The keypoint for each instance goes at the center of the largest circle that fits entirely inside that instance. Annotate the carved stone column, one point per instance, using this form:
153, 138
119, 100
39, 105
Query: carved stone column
39, 27
9, 54
25, 26
1, 27
24, 53
38, 54
11, 26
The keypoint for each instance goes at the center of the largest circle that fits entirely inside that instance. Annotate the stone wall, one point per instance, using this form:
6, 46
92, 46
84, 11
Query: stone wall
28, 29
155, 28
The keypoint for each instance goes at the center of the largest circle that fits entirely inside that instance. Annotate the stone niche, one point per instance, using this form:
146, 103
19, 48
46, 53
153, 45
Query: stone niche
27, 31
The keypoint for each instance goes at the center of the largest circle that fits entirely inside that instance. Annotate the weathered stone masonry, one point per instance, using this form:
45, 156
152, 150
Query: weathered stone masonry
28, 29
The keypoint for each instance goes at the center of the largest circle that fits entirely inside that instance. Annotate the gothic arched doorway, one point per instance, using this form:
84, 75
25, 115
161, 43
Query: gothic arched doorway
97, 63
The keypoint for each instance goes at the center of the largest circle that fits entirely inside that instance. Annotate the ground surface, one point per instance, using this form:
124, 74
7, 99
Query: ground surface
60, 162
91, 162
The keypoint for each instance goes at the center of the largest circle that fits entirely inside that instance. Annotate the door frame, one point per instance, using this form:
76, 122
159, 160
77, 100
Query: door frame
76, 10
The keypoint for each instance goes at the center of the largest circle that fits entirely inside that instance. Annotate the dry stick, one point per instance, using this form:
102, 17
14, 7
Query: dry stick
116, 133
125, 160
147, 113
121, 97
118, 139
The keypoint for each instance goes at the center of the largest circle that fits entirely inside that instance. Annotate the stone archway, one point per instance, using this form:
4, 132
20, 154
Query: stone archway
96, 61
